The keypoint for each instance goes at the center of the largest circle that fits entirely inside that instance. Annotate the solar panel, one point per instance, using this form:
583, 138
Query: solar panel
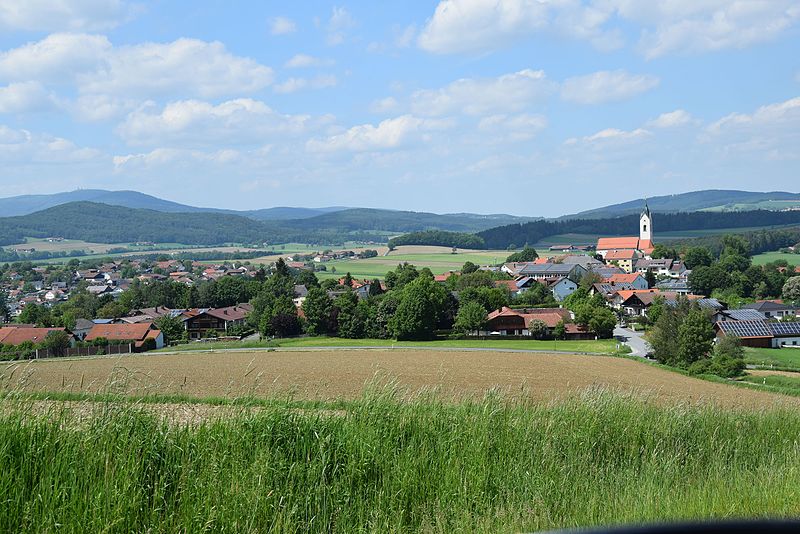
785, 329
746, 328
745, 314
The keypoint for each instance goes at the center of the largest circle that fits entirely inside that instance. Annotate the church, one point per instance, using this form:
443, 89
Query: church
629, 248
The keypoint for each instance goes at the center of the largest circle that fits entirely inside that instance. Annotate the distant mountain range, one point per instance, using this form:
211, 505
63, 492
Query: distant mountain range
706, 200
27, 204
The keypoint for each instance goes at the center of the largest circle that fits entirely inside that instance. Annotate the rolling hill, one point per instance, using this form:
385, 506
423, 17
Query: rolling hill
707, 200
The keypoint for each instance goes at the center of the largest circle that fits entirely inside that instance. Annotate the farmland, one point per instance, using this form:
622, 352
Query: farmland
769, 257
343, 374
782, 358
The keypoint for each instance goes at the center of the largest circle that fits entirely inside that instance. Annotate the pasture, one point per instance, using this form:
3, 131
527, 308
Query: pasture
769, 257
785, 358
327, 375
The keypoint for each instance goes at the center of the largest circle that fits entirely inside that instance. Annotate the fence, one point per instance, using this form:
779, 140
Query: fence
36, 354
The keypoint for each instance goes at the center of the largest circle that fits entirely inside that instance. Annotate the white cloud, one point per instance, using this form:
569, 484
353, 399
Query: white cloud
196, 123
606, 86
301, 61
23, 148
184, 66
405, 37
293, 85
340, 23
384, 105
686, 26
22, 97
389, 134
611, 135
64, 15
783, 114
511, 128
281, 26
486, 25
91, 108
163, 157
677, 26
672, 119
507, 93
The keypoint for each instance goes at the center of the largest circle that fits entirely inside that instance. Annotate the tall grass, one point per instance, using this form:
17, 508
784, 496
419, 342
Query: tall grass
385, 465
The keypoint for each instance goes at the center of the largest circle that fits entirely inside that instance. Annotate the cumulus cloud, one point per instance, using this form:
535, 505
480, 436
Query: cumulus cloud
22, 97
384, 105
507, 93
196, 123
389, 134
672, 119
64, 15
281, 26
293, 85
22, 148
782, 116
147, 70
301, 61
606, 86
664, 27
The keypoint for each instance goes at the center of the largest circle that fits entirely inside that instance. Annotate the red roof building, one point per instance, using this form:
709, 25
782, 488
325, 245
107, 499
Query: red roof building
135, 333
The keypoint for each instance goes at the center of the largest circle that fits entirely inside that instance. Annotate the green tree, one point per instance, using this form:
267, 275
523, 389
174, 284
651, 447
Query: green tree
468, 267
697, 257
471, 318
526, 254
57, 341
318, 308
656, 309
282, 321
695, 337
560, 330
662, 337
419, 309
704, 280
602, 322
537, 329
791, 289
349, 318
650, 276
171, 327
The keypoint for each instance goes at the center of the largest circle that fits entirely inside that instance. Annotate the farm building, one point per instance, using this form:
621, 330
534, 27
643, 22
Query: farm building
517, 322
132, 333
761, 333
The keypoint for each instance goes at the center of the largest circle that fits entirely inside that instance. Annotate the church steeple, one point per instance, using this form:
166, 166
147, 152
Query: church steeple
646, 224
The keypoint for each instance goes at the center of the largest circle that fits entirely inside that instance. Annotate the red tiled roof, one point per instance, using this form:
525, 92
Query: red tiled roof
511, 285
610, 243
626, 254
10, 335
623, 278
549, 316
231, 313
128, 332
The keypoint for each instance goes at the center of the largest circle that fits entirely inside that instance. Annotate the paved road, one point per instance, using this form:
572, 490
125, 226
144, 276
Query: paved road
639, 347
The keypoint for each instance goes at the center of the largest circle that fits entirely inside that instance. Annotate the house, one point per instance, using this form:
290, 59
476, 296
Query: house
562, 288
131, 333
762, 334
199, 322
675, 286
643, 244
622, 258
17, 334
549, 270
635, 280
515, 322
609, 290
82, 328
738, 315
773, 309
585, 261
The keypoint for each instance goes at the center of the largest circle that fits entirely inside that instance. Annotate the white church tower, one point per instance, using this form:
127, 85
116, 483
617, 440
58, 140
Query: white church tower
646, 225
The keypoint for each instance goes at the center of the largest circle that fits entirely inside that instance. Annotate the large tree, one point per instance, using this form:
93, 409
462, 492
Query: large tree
695, 337
318, 308
421, 304
471, 318
791, 289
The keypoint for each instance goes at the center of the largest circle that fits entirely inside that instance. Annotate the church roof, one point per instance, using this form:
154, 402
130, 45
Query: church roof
617, 243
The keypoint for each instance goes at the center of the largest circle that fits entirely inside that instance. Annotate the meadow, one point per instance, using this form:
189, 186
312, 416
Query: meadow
379, 464
785, 358
769, 257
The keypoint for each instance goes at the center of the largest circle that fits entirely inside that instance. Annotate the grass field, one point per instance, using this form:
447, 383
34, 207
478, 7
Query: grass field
381, 465
781, 358
601, 346
768, 257
778, 380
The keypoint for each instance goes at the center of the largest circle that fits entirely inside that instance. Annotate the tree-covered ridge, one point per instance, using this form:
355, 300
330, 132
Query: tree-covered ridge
439, 238
535, 231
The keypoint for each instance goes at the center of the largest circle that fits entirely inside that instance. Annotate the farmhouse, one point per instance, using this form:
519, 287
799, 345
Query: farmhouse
546, 270
517, 322
15, 335
131, 333
220, 320
639, 247
773, 309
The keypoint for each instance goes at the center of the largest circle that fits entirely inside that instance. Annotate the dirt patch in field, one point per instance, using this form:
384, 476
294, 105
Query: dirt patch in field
343, 374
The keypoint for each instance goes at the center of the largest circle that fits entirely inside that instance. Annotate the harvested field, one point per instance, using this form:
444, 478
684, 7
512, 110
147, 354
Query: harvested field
343, 374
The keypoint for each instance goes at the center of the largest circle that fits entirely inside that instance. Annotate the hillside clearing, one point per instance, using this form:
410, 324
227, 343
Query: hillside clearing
343, 374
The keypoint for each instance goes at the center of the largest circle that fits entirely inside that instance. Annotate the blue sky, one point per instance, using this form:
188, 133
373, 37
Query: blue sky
529, 107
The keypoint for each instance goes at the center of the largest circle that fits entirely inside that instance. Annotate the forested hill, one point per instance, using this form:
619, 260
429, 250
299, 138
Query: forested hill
103, 223
533, 232
693, 201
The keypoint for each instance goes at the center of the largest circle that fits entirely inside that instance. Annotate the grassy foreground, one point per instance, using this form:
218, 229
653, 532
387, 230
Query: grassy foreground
382, 465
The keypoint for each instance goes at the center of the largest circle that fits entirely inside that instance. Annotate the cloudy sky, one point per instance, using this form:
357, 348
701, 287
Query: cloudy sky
531, 107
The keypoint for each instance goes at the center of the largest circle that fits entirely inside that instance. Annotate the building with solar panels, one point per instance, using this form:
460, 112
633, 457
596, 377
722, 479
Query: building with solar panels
761, 333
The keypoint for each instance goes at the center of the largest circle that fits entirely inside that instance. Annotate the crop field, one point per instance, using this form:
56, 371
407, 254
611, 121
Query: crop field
438, 259
769, 257
343, 374
67, 245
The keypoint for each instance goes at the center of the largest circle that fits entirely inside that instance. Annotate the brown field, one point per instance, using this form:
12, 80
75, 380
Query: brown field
343, 374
